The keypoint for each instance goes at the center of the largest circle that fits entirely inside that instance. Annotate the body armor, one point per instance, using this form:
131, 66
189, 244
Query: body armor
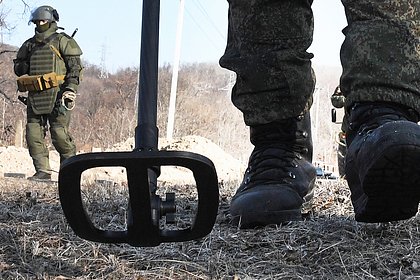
44, 60
45, 53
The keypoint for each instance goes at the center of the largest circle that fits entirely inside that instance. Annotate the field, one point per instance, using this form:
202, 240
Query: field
37, 242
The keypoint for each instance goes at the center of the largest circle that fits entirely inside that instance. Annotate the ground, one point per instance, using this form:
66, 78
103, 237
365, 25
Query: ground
38, 243
17, 160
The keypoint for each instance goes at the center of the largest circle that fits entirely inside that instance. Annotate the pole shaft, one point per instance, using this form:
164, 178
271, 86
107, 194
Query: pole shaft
146, 137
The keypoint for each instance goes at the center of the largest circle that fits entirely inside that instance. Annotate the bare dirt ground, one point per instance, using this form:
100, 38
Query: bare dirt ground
37, 242
17, 160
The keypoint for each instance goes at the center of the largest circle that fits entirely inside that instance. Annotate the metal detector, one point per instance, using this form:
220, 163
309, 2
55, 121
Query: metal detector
146, 208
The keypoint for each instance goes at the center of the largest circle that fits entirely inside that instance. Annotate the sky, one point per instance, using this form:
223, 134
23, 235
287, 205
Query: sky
109, 31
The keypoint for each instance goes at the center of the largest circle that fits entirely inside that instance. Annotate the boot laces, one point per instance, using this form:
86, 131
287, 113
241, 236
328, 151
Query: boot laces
272, 163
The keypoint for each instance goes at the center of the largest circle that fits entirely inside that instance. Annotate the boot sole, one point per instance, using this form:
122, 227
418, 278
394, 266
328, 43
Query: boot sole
39, 179
245, 218
392, 186
257, 219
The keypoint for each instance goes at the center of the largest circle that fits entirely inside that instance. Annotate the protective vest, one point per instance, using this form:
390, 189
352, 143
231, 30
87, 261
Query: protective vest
45, 58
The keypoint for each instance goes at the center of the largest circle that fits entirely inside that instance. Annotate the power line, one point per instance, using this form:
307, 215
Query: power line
202, 30
206, 15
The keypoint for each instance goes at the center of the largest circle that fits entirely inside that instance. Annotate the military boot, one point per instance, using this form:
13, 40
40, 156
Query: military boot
279, 179
383, 162
40, 176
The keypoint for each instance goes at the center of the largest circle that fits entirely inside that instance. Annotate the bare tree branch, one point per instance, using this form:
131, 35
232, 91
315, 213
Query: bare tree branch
25, 5
7, 51
7, 97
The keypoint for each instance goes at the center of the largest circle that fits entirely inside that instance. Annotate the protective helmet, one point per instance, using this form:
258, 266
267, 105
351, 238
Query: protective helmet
47, 13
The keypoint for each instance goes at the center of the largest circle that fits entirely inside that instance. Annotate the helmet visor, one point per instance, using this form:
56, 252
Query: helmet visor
41, 13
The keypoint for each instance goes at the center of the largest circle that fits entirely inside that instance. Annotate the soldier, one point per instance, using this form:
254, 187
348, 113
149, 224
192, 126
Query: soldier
48, 66
267, 48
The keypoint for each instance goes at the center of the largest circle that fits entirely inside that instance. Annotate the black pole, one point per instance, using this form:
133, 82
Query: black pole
146, 134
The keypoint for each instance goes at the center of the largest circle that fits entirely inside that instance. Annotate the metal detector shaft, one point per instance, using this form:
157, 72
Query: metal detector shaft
146, 134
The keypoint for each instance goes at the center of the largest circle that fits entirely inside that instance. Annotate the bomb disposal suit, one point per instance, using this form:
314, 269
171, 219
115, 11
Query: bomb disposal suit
49, 67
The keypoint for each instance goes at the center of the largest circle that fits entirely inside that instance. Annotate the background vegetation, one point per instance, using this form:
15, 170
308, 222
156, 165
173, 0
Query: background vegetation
106, 108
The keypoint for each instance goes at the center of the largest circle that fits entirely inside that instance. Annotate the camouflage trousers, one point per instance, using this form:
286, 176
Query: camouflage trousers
267, 48
58, 120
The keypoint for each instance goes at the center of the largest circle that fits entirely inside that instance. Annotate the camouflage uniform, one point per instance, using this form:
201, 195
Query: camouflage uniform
46, 107
267, 48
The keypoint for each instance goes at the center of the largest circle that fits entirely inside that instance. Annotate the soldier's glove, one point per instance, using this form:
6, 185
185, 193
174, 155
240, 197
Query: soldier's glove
338, 101
68, 99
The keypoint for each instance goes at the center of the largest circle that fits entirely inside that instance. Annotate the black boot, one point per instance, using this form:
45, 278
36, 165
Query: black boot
40, 176
383, 162
280, 177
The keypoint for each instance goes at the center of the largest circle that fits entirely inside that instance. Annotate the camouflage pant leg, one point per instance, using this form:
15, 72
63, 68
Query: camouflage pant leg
266, 47
381, 52
35, 139
63, 142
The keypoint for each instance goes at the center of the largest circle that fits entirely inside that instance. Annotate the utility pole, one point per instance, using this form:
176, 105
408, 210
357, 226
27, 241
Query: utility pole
104, 73
174, 84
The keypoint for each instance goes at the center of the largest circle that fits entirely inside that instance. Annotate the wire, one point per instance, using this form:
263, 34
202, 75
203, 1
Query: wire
206, 15
202, 30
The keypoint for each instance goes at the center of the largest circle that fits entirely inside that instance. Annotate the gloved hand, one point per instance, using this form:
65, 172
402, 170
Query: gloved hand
68, 99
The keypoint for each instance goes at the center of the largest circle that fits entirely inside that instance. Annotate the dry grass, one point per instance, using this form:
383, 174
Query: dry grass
37, 243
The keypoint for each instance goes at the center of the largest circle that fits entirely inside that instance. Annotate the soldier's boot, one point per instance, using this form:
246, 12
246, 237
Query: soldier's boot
383, 162
279, 180
40, 176
42, 166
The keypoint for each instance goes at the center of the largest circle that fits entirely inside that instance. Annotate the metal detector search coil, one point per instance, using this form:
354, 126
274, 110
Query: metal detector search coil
143, 229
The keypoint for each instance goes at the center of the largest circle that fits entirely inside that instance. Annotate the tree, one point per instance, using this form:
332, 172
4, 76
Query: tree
10, 109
